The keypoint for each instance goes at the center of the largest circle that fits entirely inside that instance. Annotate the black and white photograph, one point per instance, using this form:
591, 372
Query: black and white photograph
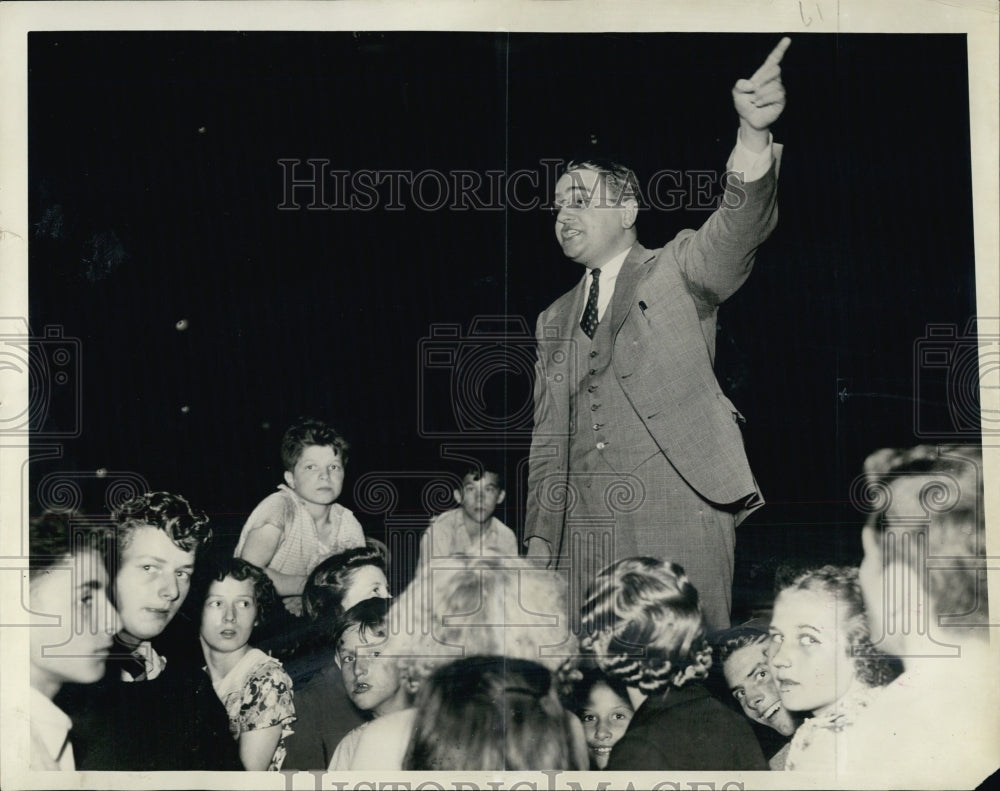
499, 395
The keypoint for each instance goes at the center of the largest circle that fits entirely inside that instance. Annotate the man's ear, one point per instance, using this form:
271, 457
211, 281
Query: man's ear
289, 480
501, 496
630, 213
458, 496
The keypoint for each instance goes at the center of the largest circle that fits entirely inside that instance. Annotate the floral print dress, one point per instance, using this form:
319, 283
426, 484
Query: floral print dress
257, 693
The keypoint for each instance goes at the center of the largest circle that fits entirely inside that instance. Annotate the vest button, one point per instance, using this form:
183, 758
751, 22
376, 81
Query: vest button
593, 352
591, 388
593, 371
600, 446
596, 426
594, 407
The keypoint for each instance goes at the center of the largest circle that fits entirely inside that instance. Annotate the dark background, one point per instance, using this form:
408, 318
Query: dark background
154, 187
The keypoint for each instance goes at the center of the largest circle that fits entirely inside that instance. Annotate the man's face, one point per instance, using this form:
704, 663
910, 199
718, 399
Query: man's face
372, 681
479, 499
318, 477
591, 226
749, 679
74, 647
153, 580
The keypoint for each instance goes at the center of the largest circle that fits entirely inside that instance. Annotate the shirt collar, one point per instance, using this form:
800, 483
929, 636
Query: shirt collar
51, 723
610, 270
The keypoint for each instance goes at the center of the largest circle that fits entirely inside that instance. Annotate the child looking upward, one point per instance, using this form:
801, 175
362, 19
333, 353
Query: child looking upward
293, 530
471, 529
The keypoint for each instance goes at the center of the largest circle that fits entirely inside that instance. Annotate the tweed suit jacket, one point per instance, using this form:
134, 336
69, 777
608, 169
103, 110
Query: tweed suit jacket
663, 315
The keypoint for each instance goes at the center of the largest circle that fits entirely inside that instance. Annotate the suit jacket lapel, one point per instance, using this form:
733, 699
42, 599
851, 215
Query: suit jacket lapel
634, 269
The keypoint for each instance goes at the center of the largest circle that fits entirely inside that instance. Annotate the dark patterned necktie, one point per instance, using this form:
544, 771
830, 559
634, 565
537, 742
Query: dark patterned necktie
589, 321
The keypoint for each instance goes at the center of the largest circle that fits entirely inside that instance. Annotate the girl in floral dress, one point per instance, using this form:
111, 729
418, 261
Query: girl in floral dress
824, 664
254, 688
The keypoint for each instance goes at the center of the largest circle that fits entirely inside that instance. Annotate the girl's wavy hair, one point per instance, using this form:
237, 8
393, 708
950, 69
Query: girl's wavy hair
642, 620
323, 596
491, 713
841, 583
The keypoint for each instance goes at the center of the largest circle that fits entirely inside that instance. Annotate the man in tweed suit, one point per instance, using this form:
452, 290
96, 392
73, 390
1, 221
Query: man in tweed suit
635, 449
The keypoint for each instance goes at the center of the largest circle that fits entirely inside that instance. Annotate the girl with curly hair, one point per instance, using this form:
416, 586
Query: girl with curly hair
642, 621
824, 663
254, 688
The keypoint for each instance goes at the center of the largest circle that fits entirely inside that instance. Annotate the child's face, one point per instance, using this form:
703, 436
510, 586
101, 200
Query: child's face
479, 499
372, 681
749, 679
76, 623
605, 719
228, 615
808, 653
318, 477
152, 582
367, 582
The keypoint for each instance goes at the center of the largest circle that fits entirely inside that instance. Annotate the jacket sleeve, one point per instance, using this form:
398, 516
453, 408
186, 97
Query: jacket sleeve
716, 259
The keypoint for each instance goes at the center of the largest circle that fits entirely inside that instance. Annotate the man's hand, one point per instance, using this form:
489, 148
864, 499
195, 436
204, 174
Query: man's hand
760, 100
539, 552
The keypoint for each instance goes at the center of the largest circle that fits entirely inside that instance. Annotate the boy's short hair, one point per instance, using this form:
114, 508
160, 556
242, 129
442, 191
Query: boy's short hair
369, 617
729, 641
168, 512
956, 522
481, 470
51, 538
306, 433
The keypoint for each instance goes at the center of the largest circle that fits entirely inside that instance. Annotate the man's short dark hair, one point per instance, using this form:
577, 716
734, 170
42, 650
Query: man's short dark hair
621, 181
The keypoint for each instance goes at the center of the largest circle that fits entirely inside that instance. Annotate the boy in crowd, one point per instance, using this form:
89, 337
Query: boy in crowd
373, 682
742, 653
923, 577
148, 714
293, 530
471, 529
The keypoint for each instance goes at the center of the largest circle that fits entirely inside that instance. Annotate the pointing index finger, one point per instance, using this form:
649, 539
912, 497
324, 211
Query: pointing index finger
778, 52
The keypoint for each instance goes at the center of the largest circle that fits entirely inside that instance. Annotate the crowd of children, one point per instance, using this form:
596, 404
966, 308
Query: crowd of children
474, 665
